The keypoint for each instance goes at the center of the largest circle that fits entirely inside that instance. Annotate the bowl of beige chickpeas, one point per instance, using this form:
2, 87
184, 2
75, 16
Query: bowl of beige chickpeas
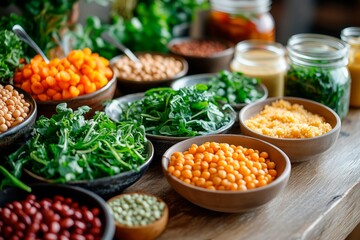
18, 112
154, 70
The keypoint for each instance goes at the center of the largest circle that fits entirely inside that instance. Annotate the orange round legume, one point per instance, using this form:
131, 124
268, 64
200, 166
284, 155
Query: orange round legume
81, 72
221, 166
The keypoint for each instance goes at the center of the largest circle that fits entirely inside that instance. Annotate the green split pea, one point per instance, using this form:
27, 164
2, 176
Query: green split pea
136, 209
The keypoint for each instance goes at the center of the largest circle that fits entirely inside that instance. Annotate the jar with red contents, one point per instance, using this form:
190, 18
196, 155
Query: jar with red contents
238, 20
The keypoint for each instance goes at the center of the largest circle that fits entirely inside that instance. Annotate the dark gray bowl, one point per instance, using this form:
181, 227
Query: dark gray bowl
161, 143
205, 78
108, 186
80, 195
16, 136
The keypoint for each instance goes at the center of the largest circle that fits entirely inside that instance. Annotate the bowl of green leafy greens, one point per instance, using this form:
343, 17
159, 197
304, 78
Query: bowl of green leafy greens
170, 116
97, 154
233, 88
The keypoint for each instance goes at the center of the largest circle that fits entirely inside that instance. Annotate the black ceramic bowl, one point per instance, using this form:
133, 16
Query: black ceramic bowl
108, 186
161, 143
82, 196
205, 64
16, 136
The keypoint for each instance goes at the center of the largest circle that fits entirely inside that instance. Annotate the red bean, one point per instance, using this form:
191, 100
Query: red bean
96, 222
88, 216
89, 237
57, 206
59, 198
77, 237
95, 211
13, 218
37, 217
20, 226
68, 201
78, 214
6, 213
54, 227
66, 223
44, 228
7, 231
17, 205
62, 237
50, 236
34, 227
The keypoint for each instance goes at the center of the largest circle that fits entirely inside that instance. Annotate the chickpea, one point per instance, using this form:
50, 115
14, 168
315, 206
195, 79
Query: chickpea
152, 67
13, 107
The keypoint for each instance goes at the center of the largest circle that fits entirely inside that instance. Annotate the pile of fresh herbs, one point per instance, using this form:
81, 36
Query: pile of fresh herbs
330, 87
68, 147
189, 111
11, 52
235, 87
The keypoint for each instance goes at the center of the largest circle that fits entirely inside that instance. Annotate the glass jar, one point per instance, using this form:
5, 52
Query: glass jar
318, 71
351, 35
264, 60
238, 20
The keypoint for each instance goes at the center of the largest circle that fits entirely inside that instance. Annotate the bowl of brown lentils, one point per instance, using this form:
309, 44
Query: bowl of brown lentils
154, 70
18, 112
204, 55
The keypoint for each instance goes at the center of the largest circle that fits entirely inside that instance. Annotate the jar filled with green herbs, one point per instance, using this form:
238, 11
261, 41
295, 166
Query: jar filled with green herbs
318, 71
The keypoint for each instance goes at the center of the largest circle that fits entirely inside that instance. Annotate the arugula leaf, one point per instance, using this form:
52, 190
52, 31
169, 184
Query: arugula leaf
67, 147
235, 87
189, 111
10, 54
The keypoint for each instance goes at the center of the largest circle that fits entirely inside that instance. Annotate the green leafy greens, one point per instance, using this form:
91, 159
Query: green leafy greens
67, 147
189, 111
330, 87
10, 54
235, 87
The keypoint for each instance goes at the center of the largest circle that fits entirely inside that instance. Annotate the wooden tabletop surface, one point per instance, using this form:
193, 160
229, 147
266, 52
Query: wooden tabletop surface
321, 200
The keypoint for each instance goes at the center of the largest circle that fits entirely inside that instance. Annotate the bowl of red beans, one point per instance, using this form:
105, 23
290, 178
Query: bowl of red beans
226, 172
18, 111
54, 212
203, 55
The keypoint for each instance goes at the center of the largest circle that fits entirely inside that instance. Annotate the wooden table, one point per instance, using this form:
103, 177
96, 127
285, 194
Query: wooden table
321, 200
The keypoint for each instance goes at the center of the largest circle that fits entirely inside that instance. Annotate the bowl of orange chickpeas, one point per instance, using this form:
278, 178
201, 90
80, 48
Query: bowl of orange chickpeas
81, 78
226, 172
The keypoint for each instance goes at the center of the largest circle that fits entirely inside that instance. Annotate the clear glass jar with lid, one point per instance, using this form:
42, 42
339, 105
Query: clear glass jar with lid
318, 70
264, 60
351, 35
238, 20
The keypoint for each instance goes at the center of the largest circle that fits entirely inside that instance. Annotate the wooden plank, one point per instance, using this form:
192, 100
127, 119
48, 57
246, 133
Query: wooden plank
321, 200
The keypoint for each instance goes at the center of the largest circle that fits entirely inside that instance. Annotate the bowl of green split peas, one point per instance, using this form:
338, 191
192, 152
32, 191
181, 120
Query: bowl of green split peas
139, 216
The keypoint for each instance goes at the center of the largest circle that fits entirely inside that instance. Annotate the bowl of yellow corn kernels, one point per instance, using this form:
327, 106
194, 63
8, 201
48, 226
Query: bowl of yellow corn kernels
226, 172
302, 128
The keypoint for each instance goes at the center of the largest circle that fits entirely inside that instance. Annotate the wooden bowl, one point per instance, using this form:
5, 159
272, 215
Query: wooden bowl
80, 195
13, 138
297, 149
94, 100
127, 86
209, 64
147, 232
107, 186
230, 201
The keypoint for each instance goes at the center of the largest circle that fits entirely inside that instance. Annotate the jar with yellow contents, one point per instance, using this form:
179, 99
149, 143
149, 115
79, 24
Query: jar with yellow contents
351, 35
238, 20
